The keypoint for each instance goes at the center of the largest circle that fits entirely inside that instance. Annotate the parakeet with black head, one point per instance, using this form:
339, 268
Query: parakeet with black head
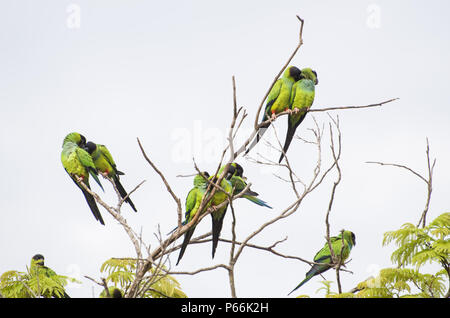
104, 163
278, 99
193, 201
78, 164
38, 268
341, 245
302, 98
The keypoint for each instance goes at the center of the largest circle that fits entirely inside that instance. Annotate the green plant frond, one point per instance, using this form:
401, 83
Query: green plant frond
441, 221
114, 264
442, 247
326, 287
425, 256
407, 233
120, 277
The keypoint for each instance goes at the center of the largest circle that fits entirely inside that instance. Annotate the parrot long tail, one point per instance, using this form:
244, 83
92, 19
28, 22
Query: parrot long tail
92, 205
290, 135
90, 201
257, 201
216, 228
315, 270
123, 193
187, 238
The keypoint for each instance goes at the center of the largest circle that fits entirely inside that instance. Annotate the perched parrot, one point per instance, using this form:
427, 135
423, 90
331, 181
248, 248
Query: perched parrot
324, 255
104, 163
78, 163
193, 201
37, 268
302, 98
233, 179
238, 182
278, 99
218, 215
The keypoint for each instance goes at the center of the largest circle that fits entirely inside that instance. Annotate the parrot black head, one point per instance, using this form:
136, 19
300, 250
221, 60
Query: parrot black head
353, 238
39, 259
90, 147
295, 73
116, 293
239, 170
234, 169
206, 174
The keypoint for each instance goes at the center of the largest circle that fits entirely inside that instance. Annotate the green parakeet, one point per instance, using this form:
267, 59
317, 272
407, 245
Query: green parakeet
104, 163
324, 255
239, 182
37, 268
219, 214
302, 98
78, 163
193, 201
278, 99
233, 179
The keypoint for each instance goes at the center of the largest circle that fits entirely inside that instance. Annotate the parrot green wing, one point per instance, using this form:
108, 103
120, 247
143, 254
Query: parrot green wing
272, 97
191, 200
108, 157
86, 160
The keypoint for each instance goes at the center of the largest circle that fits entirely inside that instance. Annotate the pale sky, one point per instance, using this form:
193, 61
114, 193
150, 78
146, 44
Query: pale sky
161, 71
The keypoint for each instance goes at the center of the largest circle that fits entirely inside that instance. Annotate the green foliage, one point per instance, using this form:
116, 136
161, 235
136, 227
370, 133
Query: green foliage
418, 246
157, 284
415, 247
32, 284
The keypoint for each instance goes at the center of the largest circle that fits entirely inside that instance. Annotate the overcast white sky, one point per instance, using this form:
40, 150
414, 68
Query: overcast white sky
161, 71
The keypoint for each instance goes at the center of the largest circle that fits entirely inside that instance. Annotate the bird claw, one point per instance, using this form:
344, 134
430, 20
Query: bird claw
295, 111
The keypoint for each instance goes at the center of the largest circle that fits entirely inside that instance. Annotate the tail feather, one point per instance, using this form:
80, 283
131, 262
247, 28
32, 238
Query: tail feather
257, 201
90, 201
315, 270
92, 205
290, 135
123, 193
187, 238
217, 224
